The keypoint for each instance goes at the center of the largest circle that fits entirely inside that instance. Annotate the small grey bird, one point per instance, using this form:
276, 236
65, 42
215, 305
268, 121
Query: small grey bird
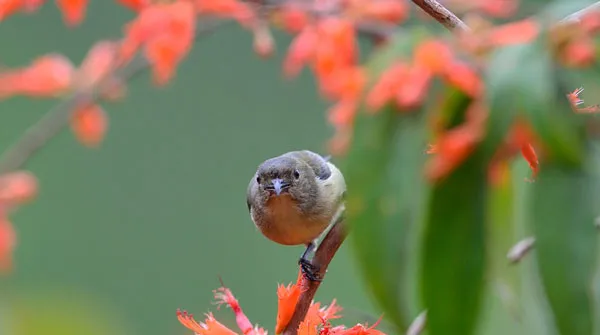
294, 197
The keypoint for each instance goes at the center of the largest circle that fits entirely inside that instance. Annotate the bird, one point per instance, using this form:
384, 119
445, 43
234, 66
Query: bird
293, 198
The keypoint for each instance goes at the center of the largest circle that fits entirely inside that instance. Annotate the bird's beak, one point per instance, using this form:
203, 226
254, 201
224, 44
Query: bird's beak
279, 185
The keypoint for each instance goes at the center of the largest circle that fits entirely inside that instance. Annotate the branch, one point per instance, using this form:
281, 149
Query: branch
323, 256
58, 117
442, 15
576, 17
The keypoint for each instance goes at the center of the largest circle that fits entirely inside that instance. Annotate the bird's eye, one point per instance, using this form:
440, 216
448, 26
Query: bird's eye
296, 174
258, 180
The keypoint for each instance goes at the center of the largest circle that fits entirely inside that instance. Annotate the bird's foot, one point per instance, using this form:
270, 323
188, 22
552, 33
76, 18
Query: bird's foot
310, 271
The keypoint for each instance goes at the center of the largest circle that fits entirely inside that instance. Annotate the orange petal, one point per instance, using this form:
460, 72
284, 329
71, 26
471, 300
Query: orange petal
224, 296
210, 326
238, 10
391, 11
287, 298
343, 112
135, 5
32, 5
300, 51
346, 83
17, 187
580, 52
73, 10
164, 57
386, 86
307, 328
434, 55
519, 32
499, 8
414, 89
465, 78
530, 156
8, 241
264, 45
47, 76
294, 19
89, 125
9, 7
97, 63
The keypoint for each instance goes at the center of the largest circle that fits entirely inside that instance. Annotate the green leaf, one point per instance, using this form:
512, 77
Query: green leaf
521, 81
453, 261
564, 202
381, 170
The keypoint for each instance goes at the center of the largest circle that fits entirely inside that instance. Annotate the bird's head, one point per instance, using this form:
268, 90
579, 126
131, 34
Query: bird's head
282, 176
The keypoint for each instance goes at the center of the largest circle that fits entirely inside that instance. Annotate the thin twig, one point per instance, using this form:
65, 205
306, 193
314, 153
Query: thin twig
323, 256
576, 17
442, 15
58, 117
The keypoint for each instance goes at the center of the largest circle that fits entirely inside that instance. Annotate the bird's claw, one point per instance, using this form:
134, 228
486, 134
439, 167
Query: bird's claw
310, 271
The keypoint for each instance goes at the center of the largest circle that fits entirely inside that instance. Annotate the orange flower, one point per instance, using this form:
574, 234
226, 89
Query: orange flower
300, 51
8, 241
47, 76
316, 317
235, 9
579, 52
391, 11
519, 139
89, 125
434, 55
292, 17
530, 156
455, 145
498, 8
209, 327
167, 31
287, 298
386, 86
9, 7
414, 87
463, 77
135, 5
336, 48
73, 10
590, 22
343, 112
519, 32
17, 188
329, 46
345, 83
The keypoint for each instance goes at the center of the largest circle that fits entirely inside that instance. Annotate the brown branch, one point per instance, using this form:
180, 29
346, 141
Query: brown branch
323, 256
442, 15
576, 17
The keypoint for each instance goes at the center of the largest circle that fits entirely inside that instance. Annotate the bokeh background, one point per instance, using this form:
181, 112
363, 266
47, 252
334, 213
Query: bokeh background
146, 223
123, 235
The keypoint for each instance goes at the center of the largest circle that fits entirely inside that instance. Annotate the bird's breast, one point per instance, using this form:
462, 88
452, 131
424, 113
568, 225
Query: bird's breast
282, 222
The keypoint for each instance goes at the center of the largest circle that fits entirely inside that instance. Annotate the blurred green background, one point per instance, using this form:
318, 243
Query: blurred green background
146, 223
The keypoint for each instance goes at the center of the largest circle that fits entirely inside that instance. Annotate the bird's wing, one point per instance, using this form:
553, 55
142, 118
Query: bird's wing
317, 163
